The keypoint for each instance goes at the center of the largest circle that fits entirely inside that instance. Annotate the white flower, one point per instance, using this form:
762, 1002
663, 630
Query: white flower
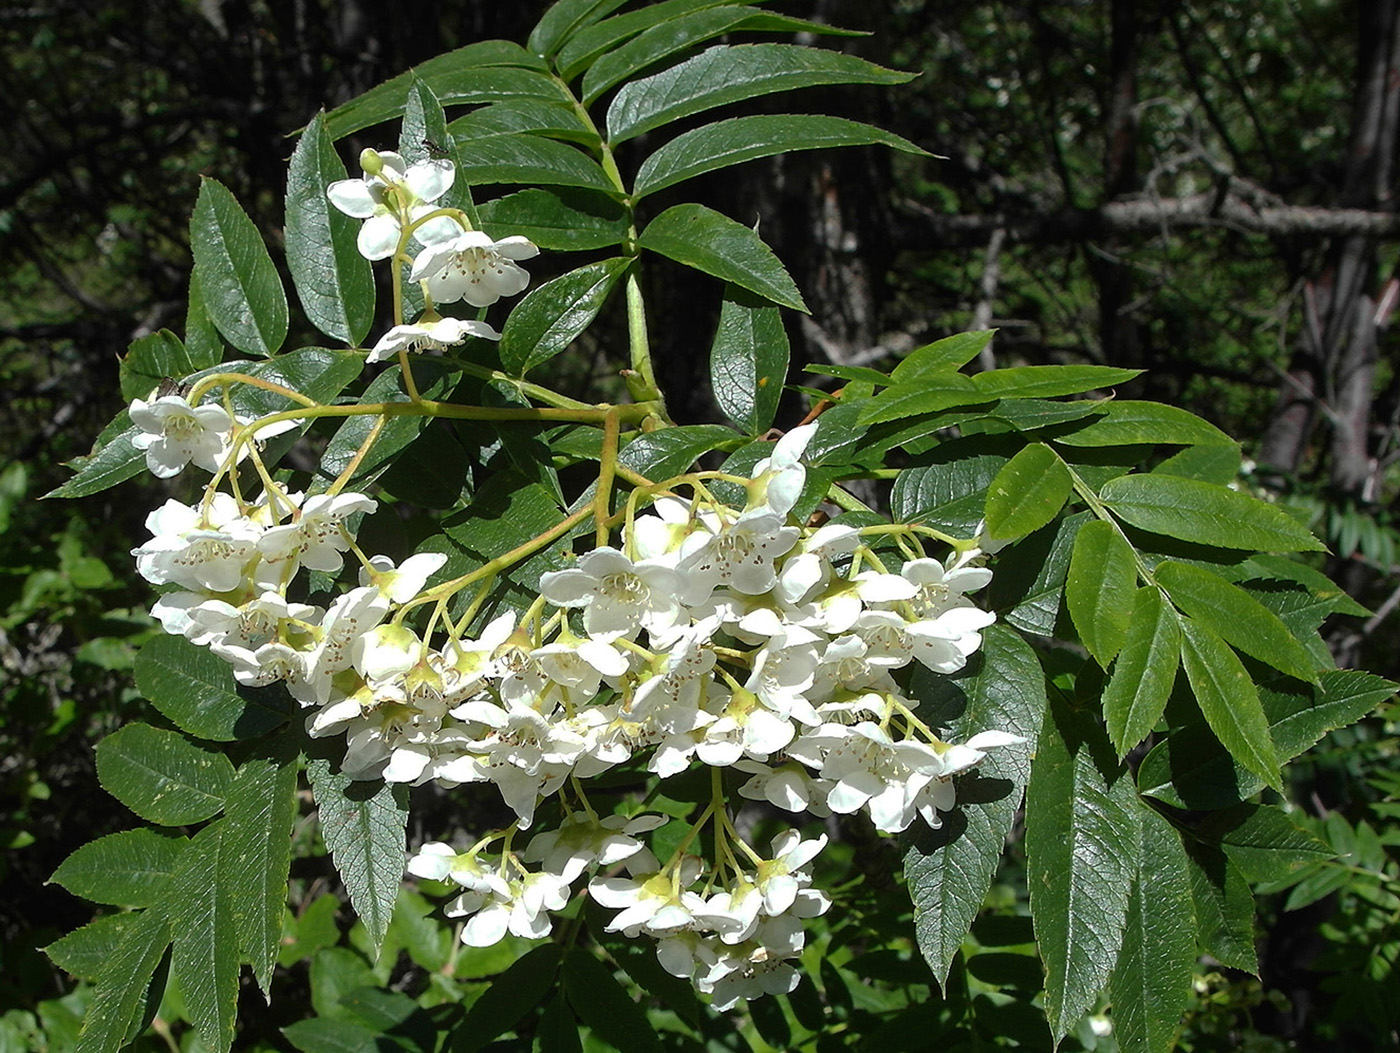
387, 191
940, 588
444, 332
778, 478
654, 903
401, 584
316, 536
582, 840
618, 596
198, 547
740, 556
474, 268
174, 433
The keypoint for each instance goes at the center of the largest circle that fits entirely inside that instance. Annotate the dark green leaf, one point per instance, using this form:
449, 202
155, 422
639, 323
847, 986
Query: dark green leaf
162, 776
565, 219
129, 869
1205, 514
521, 158
929, 394
110, 463
553, 120
731, 73
119, 1003
334, 282
1027, 493
548, 320
489, 71
1152, 979
700, 237
589, 44
195, 689
257, 852
332, 1035
1045, 382
950, 492
605, 1006
740, 139
563, 19
1263, 841
85, 952
1126, 422
1100, 589
1224, 908
949, 870
1083, 843
942, 356
1229, 700
363, 825
424, 124
749, 360
242, 292
1142, 677
1232, 613
661, 454
511, 995
151, 359
1027, 589
202, 340
205, 959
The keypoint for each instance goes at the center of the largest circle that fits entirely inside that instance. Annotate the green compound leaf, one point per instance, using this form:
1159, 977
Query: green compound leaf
731, 73
749, 360
363, 825
590, 44
700, 237
566, 219
659, 455
162, 776
740, 139
1046, 382
605, 1006
1263, 841
530, 159
151, 359
1100, 589
205, 960
1204, 513
1027, 493
1229, 700
242, 292
129, 869
565, 18
85, 952
1127, 423
553, 120
1236, 616
511, 995
1192, 770
195, 689
1083, 843
334, 282
119, 1004
113, 460
942, 356
202, 339
257, 852
548, 320
485, 72
949, 870
1143, 675
1224, 907
1152, 979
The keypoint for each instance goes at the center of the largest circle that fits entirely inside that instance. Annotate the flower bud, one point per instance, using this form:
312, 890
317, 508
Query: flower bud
371, 162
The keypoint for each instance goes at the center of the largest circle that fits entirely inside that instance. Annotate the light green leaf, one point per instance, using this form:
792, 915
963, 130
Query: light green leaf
1027, 493
1229, 700
333, 281
604, 1005
749, 360
424, 124
1046, 382
1224, 908
1099, 591
1232, 613
949, 870
1126, 422
1142, 677
129, 869
196, 690
700, 237
730, 73
242, 292
513, 993
740, 139
567, 219
488, 71
1263, 841
1206, 514
85, 952
563, 19
942, 356
119, 1003
151, 359
551, 317
204, 962
363, 825
257, 851
521, 158
1152, 980
162, 776
1207, 463
931, 393
1083, 847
